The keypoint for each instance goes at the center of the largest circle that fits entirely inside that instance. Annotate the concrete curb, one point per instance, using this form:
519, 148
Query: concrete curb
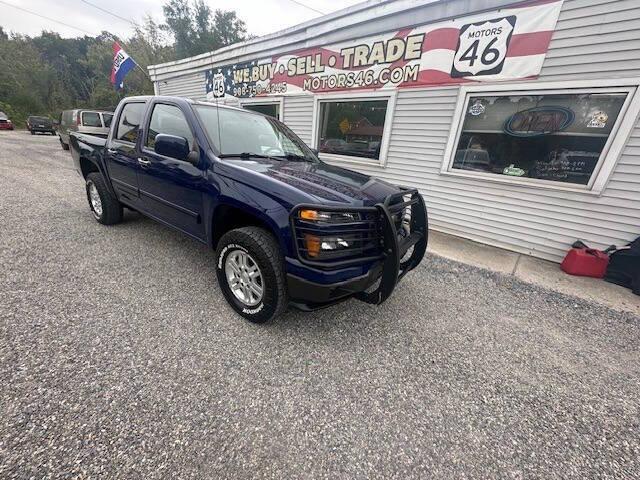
534, 271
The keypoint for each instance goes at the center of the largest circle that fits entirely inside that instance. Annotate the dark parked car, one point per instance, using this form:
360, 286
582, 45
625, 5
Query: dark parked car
287, 227
40, 124
5, 123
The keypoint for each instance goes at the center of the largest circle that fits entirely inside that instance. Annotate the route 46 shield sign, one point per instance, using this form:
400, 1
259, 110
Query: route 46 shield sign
218, 85
482, 47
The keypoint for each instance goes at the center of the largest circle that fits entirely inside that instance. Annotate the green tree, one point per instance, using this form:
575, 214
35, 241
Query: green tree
45, 74
196, 29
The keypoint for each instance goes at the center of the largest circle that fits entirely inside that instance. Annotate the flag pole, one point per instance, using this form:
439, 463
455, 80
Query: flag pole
143, 72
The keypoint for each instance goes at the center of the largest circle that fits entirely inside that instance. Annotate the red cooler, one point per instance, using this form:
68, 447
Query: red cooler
586, 262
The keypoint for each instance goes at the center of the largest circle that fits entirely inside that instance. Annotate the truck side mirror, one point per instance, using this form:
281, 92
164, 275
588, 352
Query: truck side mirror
172, 146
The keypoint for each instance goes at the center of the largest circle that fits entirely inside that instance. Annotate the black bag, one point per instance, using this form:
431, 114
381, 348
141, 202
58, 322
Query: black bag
624, 267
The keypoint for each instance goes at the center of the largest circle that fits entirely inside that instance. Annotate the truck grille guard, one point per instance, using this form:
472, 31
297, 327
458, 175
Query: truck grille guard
385, 231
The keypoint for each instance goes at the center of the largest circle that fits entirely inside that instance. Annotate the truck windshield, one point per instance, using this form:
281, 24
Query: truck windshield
246, 135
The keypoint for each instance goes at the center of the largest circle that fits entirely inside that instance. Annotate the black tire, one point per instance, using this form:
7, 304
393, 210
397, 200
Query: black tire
111, 208
264, 250
32, 132
65, 146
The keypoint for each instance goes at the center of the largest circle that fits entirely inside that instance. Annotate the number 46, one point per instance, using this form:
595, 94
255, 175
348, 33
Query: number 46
488, 56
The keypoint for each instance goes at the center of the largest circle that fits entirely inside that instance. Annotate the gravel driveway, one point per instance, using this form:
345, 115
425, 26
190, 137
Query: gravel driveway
120, 359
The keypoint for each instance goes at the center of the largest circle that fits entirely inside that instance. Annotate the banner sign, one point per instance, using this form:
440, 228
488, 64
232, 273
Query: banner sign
493, 46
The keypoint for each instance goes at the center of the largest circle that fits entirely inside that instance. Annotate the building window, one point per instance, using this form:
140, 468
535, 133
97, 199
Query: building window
555, 136
353, 128
270, 109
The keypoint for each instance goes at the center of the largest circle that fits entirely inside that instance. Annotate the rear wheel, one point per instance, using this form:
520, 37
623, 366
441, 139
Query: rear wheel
249, 267
105, 207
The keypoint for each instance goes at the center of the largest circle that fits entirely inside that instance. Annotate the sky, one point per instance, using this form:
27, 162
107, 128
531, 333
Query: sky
261, 16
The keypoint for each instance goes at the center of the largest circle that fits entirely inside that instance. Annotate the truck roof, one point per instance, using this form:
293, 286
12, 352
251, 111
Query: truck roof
185, 100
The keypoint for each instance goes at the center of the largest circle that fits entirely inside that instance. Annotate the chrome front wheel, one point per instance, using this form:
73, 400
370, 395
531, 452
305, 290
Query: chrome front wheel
244, 278
94, 199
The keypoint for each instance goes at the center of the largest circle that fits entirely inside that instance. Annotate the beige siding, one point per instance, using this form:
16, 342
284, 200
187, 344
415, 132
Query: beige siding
595, 39
298, 115
190, 86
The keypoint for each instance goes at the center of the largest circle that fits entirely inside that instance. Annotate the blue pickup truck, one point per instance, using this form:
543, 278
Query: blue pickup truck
287, 228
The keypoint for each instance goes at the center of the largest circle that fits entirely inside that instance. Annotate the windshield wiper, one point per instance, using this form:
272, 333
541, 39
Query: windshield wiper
295, 157
248, 155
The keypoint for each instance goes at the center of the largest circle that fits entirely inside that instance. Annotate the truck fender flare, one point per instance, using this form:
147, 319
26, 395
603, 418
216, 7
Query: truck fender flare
100, 167
260, 215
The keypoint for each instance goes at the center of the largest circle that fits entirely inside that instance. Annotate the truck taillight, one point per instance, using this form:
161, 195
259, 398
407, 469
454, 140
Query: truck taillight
78, 118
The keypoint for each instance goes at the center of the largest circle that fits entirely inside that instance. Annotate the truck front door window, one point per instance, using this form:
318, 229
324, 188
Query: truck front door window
129, 122
169, 120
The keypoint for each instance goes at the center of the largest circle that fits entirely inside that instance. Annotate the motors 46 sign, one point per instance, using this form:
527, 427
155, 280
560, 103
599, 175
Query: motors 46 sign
509, 44
482, 47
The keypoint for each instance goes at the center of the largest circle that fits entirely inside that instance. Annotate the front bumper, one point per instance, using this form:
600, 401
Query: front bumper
309, 295
385, 269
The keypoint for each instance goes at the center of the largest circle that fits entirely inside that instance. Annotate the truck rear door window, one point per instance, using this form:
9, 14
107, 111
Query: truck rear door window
129, 122
91, 119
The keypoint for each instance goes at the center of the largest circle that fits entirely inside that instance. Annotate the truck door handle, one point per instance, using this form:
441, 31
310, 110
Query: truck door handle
112, 151
144, 161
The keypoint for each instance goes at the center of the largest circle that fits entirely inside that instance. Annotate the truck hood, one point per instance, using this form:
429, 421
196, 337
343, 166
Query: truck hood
323, 182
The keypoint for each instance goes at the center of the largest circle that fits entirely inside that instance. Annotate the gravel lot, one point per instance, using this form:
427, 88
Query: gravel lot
120, 359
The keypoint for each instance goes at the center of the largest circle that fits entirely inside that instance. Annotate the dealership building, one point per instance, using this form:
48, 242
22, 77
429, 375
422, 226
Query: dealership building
518, 121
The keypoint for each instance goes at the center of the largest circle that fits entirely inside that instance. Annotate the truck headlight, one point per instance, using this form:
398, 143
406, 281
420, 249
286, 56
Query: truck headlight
352, 233
328, 217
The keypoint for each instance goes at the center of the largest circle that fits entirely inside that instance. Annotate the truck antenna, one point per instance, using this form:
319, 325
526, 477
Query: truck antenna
216, 96
219, 134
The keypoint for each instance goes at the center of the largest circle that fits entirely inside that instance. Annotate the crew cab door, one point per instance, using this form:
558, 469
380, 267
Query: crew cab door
121, 155
171, 188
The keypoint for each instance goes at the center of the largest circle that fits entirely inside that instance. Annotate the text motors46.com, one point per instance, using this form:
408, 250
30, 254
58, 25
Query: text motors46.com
363, 78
